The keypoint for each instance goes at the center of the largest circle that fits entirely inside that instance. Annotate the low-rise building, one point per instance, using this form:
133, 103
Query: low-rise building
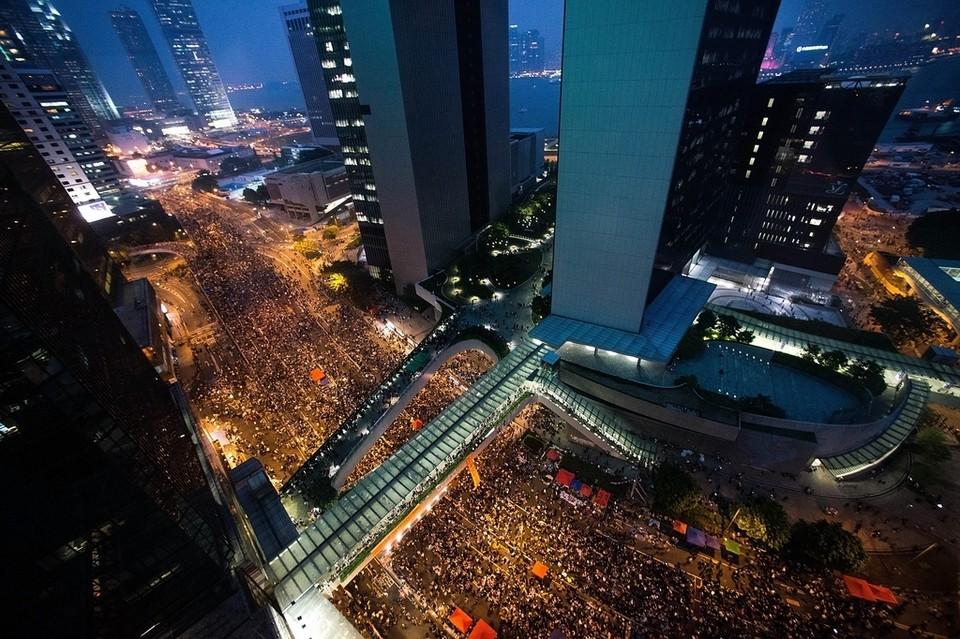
937, 283
526, 159
137, 306
305, 190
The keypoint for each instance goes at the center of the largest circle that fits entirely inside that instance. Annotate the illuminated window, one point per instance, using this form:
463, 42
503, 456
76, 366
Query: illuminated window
756, 148
803, 159
747, 173
821, 115
808, 144
815, 130
816, 222
759, 135
764, 121
769, 103
752, 160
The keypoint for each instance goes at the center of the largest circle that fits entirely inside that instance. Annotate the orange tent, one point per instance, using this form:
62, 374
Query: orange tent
601, 498
483, 631
539, 570
884, 594
461, 620
564, 477
585, 491
680, 527
317, 375
858, 588
416, 424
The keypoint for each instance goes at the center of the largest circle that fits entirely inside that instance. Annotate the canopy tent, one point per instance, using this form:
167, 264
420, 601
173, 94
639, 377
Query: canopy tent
539, 569
483, 631
564, 477
602, 498
553, 454
731, 546
585, 491
713, 542
416, 424
575, 485
318, 376
461, 620
557, 634
862, 589
696, 537
679, 527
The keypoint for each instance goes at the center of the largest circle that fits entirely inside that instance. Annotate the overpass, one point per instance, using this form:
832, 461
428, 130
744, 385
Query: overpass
344, 534
180, 249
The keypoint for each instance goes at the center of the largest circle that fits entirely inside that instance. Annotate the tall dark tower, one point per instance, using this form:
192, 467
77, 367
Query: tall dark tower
143, 56
110, 525
306, 58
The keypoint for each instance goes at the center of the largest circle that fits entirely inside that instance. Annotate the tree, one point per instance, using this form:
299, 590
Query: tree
812, 352
496, 237
727, 327
764, 520
745, 336
834, 360
761, 405
707, 319
903, 318
540, 307
675, 491
936, 234
258, 195
235, 165
825, 544
205, 182
868, 373
329, 233
930, 450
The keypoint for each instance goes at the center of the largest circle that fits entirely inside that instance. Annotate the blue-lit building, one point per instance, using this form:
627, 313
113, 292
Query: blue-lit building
648, 113
146, 62
306, 58
181, 28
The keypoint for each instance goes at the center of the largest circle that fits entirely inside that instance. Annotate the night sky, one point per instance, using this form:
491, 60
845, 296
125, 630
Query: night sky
248, 40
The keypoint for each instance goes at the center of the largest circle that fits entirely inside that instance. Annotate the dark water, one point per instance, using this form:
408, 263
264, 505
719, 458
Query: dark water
540, 99
535, 102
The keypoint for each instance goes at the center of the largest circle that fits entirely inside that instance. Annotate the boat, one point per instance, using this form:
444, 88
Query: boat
945, 110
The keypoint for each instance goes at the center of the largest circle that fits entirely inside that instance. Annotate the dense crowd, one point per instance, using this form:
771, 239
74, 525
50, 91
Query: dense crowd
445, 385
476, 547
264, 397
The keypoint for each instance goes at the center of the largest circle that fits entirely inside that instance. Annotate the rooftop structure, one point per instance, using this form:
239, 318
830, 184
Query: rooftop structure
143, 57
936, 282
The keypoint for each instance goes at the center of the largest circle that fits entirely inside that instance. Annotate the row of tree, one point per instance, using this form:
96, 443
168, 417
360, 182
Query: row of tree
821, 544
865, 371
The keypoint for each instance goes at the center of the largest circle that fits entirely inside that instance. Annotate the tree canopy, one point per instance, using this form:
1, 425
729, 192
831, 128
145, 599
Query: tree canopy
904, 318
936, 234
205, 181
825, 544
764, 520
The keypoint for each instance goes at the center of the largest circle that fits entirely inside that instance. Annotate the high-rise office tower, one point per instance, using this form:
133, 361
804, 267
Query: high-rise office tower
337, 65
531, 51
805, 138
42, 31
143, 56
180, 26
438, 133
514, 48
646, 113
112, 527
306, 57
46, 113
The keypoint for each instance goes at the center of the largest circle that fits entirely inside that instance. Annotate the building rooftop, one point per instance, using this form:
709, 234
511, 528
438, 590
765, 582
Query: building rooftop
665, 322
133, 301
311, 166
943, 275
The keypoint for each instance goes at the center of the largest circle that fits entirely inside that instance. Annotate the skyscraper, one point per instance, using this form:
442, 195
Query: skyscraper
647, 116
531, 51
143, 56
180, 26
438, 133
306, 57
106, 502
805, 138
42, 31
337, 65
514, 48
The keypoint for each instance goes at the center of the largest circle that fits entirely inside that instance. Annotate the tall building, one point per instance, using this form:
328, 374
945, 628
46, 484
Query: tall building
438, 133
115, 529
531, 51
805, 138
180, 26
46, 114
337, 65
41, 30
514, 48
647, 118
306, 57
143, 56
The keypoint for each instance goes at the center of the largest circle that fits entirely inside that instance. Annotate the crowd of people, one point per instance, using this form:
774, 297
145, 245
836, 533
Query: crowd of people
446, 384
475, 549
263, 397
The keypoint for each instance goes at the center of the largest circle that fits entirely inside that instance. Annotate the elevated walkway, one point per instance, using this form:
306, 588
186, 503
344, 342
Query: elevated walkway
874, 452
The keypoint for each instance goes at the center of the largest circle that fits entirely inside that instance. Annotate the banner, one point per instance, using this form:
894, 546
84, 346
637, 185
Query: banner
472, 467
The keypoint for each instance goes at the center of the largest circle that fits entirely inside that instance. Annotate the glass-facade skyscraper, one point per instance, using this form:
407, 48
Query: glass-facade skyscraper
43, 32
306, 58
646, 116
180, 26
146, 62
110, 523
